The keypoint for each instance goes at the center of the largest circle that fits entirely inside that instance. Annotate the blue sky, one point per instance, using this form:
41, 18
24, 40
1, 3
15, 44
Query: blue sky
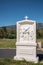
12, 11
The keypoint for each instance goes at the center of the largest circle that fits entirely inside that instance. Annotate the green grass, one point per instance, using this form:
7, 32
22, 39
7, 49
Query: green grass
16, 62
11, 43
7, 43
38, 40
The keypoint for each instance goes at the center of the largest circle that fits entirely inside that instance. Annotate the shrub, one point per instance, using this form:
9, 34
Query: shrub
11, 36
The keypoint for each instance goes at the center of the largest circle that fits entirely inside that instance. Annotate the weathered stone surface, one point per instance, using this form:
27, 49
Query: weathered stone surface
26, 41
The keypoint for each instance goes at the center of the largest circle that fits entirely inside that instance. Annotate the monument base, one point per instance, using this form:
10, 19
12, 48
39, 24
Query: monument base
30, 59
26, 52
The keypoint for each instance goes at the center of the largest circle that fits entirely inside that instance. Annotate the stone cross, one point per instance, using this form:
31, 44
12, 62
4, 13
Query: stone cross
26, 17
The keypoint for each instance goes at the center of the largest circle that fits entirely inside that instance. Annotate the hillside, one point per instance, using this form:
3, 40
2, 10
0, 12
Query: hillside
39, 26
11, 27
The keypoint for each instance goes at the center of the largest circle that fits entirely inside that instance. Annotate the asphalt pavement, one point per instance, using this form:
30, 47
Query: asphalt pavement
7, 53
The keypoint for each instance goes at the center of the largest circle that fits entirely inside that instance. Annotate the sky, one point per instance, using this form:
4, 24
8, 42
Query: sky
12, 11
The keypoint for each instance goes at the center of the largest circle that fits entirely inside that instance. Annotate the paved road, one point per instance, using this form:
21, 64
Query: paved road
10, 53
7, 53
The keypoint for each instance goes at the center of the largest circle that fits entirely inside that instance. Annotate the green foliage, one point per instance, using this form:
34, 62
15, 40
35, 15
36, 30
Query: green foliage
1, 34
39, 33
9, 34
4, 30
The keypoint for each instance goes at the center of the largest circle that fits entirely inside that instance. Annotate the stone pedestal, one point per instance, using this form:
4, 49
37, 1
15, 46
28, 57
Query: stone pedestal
27, 51
26, 41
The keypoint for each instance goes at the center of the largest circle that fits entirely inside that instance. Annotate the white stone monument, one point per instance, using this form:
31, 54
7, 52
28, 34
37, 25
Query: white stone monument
26, 40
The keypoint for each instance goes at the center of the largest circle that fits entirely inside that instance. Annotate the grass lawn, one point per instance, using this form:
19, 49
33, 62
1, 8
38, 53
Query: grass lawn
10, 43
7, 43
38, 40
16, 62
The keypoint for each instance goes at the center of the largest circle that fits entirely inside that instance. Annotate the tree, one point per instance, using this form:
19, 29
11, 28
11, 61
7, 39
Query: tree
4, 32
39, 33
1, 33
12, 34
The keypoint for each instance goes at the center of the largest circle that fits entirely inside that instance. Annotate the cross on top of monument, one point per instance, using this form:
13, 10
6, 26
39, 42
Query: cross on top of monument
26, 17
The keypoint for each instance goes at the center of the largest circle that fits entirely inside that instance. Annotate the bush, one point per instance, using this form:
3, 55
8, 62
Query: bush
11, 36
